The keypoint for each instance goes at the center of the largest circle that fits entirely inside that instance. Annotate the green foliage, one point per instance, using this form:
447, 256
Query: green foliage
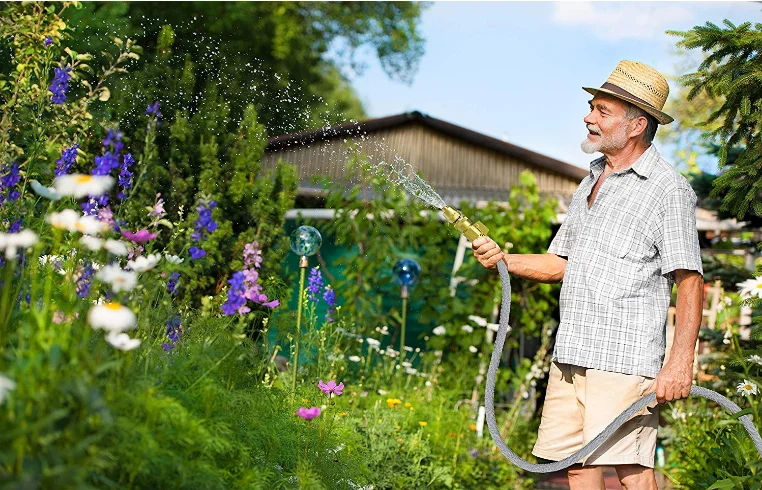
238, 46
731, 74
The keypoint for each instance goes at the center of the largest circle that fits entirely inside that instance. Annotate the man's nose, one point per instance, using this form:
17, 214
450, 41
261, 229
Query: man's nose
589, 119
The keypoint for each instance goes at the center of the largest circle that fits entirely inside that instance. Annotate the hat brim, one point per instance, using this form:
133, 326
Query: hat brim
661, 117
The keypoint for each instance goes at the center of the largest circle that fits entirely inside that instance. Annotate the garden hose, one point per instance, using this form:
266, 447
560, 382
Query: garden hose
473, 231
489, 401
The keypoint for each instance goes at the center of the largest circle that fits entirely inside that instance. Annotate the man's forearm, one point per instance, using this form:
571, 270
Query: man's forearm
689, 310
546, 268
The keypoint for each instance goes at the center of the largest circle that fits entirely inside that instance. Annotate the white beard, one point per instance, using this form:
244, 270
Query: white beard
614, 142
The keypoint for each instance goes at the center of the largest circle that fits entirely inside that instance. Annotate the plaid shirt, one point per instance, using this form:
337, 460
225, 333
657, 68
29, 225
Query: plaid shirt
622, 254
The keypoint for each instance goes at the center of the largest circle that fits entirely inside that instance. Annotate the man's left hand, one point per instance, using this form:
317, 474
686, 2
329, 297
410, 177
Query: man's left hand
673, 382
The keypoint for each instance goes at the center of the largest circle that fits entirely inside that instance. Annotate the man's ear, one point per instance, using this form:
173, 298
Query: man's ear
638, 126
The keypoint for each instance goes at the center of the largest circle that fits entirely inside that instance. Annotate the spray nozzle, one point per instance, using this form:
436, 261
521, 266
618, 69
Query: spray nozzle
472, 231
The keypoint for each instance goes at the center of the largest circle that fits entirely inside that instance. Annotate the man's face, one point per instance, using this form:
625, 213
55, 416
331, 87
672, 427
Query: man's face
607, 125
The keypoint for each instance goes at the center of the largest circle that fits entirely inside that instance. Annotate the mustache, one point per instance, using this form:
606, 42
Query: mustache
593, 129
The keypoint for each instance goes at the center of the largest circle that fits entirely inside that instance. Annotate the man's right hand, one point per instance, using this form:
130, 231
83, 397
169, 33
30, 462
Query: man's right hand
487, 252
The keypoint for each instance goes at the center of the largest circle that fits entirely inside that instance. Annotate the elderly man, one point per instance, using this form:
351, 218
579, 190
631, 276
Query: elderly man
629, 235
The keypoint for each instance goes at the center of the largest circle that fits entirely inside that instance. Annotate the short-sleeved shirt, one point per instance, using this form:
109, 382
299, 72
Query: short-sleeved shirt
622, 253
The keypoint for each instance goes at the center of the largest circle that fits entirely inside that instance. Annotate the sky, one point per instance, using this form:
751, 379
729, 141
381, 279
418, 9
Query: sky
514, 70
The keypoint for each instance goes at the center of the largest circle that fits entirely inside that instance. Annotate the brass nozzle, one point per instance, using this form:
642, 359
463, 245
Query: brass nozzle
472, 231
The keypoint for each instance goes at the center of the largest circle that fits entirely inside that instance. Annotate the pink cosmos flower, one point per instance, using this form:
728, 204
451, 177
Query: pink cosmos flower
141, 236
331, 387
308, 413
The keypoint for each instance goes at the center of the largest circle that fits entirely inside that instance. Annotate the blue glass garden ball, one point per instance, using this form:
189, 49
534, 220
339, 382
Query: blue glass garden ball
305, 240
407, 272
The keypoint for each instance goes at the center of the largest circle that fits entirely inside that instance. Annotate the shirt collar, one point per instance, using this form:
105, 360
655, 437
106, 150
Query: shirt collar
642, 166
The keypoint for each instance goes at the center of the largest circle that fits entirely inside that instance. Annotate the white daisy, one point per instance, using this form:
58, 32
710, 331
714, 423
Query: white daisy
372, 341
118, 279
122, 341
64, 220
747, 388
467, 328
116, 247
173, 259
6, 385
144, 262
473, 349
12, 242
81, 185
90, 225
354, 358
112, 317
91, 242
756, 359
750, 287
440, 330
46, 192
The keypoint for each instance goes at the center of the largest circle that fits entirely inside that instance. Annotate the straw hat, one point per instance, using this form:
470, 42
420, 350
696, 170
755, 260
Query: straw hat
640, 85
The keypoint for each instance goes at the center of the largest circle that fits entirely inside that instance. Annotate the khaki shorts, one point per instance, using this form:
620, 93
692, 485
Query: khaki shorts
581, 402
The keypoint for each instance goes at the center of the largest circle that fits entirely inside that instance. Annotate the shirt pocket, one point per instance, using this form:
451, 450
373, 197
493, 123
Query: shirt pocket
637, 242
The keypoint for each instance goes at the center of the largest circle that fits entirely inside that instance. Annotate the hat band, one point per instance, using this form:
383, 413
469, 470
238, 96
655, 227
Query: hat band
620, 91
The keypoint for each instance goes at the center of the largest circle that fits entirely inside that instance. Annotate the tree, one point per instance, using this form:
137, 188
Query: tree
731, 75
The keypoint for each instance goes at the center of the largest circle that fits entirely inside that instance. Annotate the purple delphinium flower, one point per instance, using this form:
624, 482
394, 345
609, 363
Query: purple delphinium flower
197, 253
125, 176
236, 302
15, 226
90, 207
48, 41
106, 216
153, 110
158, 209
106, 163
10, 177
174, 330
252, 255
114, 139
315, 284
331, 388
68, 157
204, 223
308, 413
473, 452
330, 299
83, 284
172, 282
60, 85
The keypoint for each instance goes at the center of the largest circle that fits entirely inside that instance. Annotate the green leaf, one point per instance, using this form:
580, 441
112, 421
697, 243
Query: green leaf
745, 106
722, 484
745, 411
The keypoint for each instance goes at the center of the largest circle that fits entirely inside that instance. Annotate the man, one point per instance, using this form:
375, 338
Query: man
629, 235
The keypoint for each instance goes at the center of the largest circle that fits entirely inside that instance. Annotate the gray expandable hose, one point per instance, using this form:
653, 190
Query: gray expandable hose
489, 401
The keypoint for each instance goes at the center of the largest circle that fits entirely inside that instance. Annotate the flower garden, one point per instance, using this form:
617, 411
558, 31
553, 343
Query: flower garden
154, 335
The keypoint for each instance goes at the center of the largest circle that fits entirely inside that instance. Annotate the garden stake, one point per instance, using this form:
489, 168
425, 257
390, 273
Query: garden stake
475, 230
303, 269
404, 321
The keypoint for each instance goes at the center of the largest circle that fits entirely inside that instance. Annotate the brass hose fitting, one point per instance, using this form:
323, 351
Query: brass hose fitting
471, 231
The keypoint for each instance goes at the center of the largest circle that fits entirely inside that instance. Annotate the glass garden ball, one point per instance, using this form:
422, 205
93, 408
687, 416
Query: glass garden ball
406, 272
305, 240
